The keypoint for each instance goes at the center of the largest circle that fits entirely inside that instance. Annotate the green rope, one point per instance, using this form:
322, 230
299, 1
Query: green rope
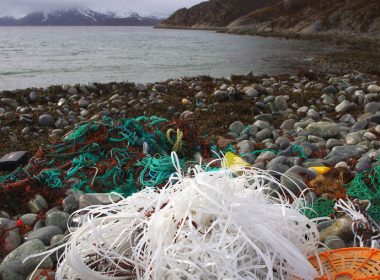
157, 170
11, 176
296, 149
77, 132
51, 178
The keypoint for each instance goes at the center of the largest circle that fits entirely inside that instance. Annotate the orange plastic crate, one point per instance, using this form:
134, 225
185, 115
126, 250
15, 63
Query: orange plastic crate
348, 263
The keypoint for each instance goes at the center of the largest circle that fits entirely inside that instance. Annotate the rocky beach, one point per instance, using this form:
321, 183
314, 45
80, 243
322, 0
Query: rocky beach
240, 177
332, 120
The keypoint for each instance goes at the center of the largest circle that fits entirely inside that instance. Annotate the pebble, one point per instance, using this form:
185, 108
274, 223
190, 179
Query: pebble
331, 143
373, 88
83, 103
288, 124
313, 114
353, 138
37, 204
72, 91
372, 107
237, 127
283, 142
344, 106
293, 179
44, 234
6, 223
343, 153
369, 136
330, 90
220, 94
359, 125
335, 242
29, 219
324, 129
95, 199
46, 120
25, 131
279, 164
4, 214
251, 92
281, 103
340, 227
58, 219
263, 134
260, 124
13, 266
141, 87
245, 147
363, 164
32, 96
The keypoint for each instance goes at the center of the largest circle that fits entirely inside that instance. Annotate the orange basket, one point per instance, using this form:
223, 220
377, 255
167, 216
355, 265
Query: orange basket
348, 263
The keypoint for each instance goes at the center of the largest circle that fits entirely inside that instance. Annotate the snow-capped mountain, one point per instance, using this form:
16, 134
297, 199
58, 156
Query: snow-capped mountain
80, 17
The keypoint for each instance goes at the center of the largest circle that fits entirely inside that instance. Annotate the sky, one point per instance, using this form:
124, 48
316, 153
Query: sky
165, 7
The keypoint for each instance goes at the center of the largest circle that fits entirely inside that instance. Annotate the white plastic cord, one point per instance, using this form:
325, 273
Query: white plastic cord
213, 225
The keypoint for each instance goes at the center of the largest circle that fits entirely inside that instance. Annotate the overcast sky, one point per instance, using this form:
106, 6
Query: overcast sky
22, 7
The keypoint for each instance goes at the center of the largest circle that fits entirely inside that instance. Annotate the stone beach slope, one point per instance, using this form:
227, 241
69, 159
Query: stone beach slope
333, 119
344, 19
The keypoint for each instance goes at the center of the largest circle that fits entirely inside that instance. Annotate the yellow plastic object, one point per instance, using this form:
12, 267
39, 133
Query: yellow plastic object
233, 162
320, 169
348, 263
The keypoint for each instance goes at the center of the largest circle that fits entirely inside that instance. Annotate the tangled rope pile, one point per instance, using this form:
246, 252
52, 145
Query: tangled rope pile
106, 155
212, 225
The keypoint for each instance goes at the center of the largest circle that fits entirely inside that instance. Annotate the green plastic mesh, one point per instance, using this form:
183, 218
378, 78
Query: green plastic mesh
321, 207
366, 186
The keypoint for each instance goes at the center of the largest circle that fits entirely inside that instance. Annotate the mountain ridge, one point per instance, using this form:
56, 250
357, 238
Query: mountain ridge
282, 17
79, 17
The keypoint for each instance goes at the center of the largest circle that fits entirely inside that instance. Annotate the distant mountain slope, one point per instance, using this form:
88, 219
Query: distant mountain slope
310, 17
214, 13
78, 17
357, 17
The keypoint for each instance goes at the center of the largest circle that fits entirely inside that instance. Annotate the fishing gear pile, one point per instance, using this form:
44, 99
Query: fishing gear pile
210, 225
104, 156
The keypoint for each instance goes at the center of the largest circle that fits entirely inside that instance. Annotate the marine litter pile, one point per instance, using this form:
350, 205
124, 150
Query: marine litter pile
270, 189
100, 157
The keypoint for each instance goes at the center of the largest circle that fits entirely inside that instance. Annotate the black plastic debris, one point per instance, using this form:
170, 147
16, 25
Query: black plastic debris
13, 160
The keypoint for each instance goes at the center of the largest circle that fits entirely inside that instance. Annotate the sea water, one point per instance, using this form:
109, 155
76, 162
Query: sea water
43, 56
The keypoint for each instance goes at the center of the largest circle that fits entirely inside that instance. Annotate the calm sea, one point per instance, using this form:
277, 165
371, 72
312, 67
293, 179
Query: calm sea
42, 56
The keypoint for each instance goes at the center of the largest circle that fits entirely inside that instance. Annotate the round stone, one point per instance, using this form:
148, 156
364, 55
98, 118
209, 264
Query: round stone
46, 120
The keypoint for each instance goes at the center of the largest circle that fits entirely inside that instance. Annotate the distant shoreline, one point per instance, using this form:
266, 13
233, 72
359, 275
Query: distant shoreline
93, 25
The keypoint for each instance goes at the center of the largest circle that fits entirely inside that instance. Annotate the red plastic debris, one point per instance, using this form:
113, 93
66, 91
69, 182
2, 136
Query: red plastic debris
19, 223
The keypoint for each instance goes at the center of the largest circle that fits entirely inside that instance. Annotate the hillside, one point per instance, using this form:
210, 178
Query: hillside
339, 17
214, 13
78, 17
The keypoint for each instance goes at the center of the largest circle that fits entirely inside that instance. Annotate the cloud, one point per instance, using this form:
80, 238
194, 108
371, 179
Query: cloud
22, 7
